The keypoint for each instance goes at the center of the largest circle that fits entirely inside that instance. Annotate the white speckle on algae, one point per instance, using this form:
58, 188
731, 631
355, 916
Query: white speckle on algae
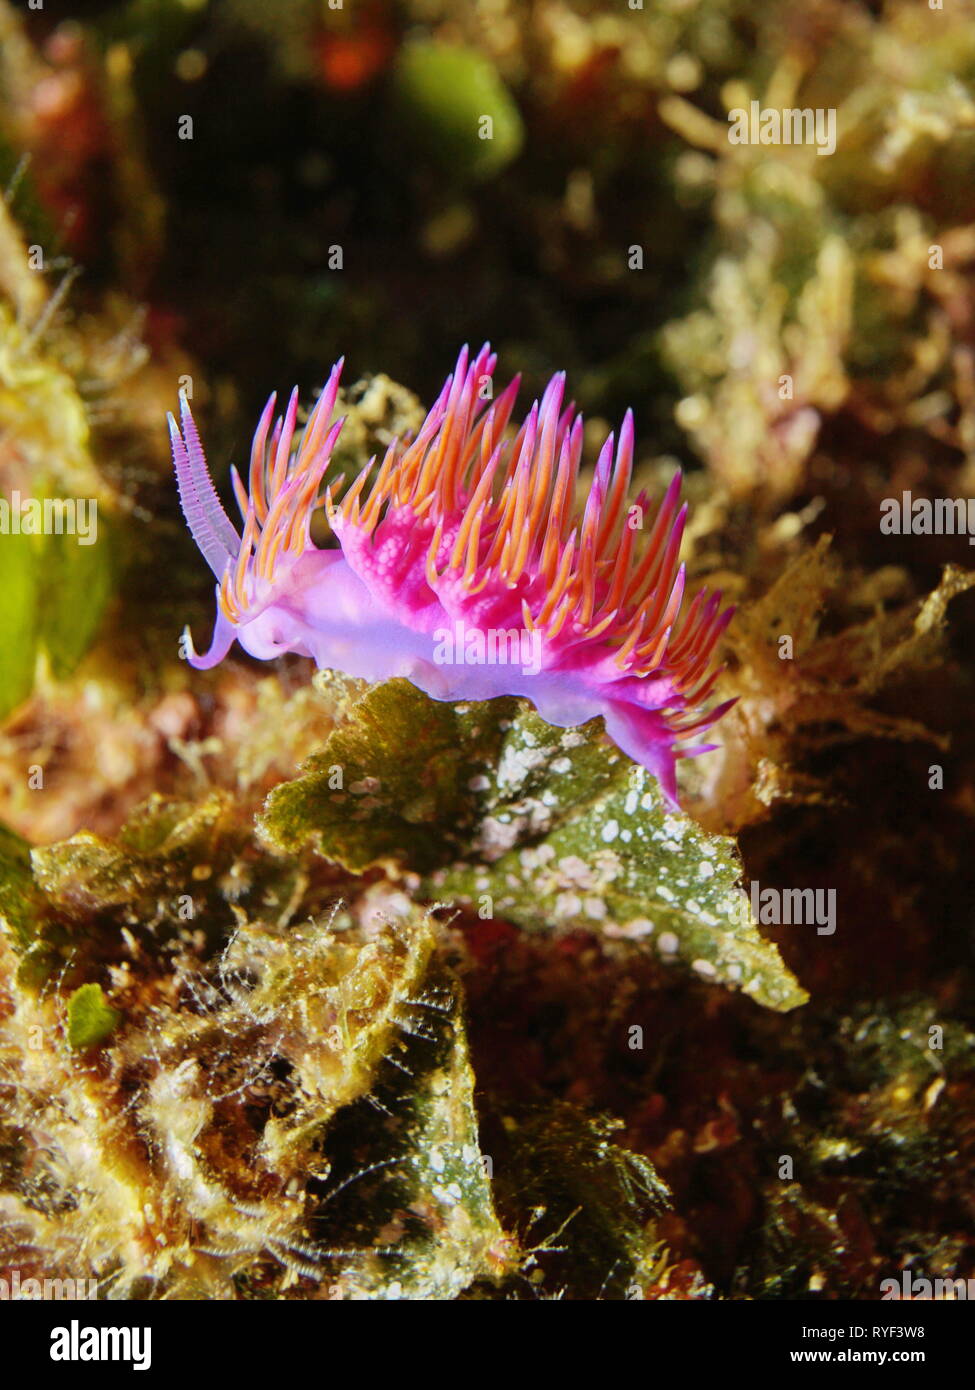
636, 928
495, 837
536, 857
367, 784
576, 870
516, 764
608, 867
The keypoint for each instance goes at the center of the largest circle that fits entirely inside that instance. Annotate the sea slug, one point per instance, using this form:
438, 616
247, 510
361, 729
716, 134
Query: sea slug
464, 565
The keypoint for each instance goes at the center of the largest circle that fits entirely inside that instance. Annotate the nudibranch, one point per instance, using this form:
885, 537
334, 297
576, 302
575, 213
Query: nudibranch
464, 565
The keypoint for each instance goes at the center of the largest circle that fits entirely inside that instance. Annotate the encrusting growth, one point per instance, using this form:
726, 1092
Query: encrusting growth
463, 553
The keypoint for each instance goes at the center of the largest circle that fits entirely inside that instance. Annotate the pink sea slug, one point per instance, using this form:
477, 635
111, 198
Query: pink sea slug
465, 567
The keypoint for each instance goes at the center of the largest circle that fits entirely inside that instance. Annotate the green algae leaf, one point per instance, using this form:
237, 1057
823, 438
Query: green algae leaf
336, 1006
444, 96
628, 866
55, 571
408, 1171
53, 594
169, 871
390, 782
165, 847
77, 583
175, 869
90, 1018
548, 828
23, 913
364, 1168
18, 619
591, 1206
306, 1097
19, 909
